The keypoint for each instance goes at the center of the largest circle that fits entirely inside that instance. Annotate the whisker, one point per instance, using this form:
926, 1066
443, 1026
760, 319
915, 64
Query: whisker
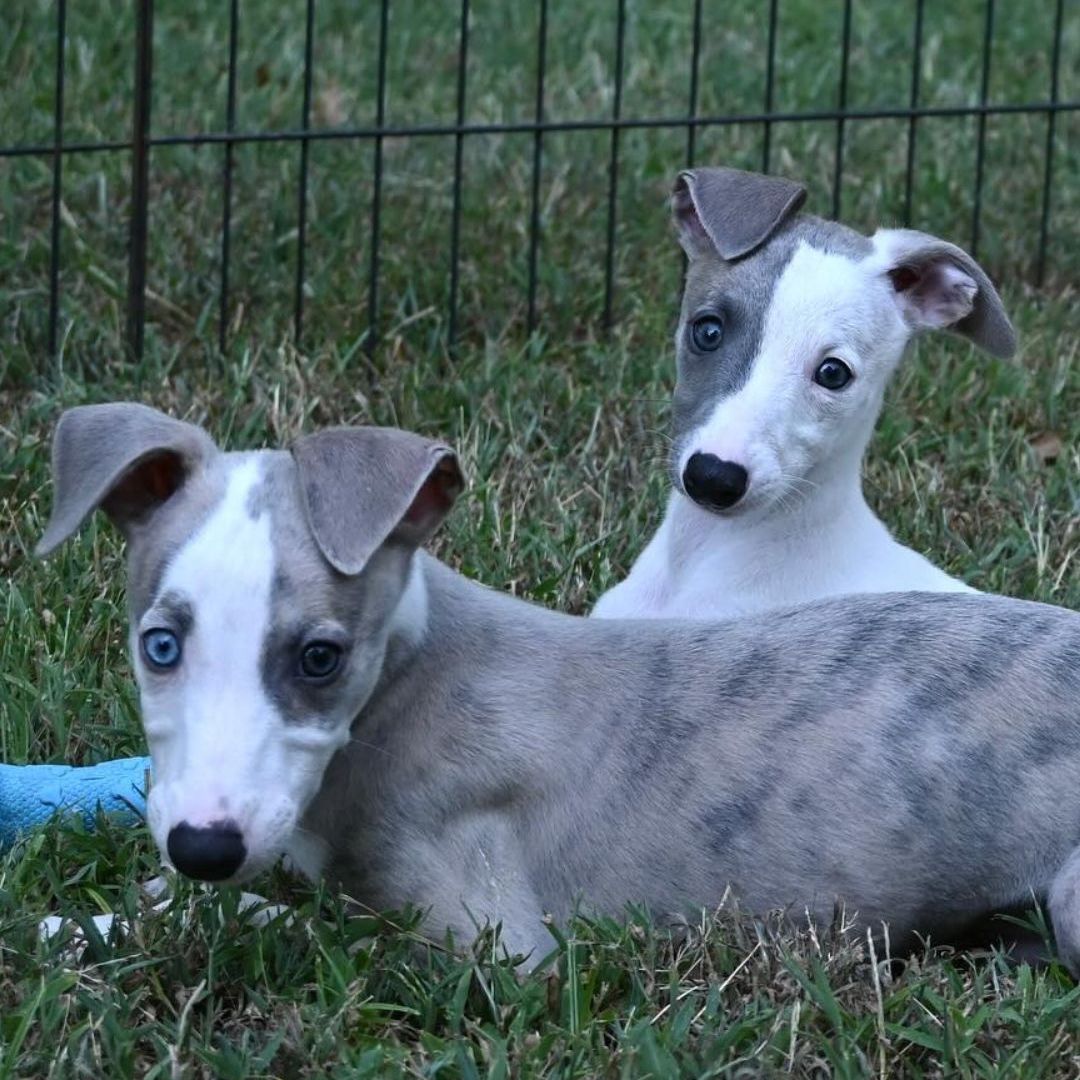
789, 496
372, 746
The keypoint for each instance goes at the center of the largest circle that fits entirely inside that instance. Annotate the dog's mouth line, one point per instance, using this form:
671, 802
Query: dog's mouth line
737, 507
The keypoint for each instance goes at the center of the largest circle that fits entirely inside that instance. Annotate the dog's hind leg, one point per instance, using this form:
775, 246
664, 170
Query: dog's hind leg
1063, 904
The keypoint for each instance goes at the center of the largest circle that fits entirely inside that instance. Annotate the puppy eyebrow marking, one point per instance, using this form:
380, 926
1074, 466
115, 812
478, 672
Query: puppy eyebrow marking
174, 608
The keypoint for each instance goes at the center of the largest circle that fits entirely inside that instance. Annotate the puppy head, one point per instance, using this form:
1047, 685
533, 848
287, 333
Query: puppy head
789, 332
263, 588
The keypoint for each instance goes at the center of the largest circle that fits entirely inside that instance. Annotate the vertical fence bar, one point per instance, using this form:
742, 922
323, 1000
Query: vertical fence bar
376, 190
613, 166
57, 180
980, 145
916, 76
538, 149
1048, 167
226, 194
459, 151
305, 151
838, 173
140, 176
692, 105
770, 75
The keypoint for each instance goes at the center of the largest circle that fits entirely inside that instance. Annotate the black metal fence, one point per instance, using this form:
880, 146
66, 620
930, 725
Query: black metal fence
142, 143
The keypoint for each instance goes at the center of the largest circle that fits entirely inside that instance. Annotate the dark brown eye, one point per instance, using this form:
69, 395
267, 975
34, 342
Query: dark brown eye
833, 374
707, 333
320, 660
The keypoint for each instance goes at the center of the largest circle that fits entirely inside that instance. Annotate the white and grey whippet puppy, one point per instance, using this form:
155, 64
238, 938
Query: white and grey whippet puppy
790, 330
310, 682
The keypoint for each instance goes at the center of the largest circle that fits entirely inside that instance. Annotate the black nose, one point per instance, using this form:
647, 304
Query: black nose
713, 483
211, 854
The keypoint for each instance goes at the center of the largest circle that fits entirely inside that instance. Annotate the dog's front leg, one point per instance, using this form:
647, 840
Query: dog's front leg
476, 878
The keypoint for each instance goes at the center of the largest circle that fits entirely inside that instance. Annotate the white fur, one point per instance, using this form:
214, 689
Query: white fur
409, 621
803, 530
221, 748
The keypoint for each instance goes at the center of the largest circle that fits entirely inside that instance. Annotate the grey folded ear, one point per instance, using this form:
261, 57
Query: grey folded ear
363, 486
124, 458
730, 213
939, 285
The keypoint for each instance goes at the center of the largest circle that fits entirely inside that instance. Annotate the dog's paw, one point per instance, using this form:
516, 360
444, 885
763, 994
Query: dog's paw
264, 912
52, 925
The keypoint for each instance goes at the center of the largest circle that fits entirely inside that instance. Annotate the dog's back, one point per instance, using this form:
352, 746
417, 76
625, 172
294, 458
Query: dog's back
905, 753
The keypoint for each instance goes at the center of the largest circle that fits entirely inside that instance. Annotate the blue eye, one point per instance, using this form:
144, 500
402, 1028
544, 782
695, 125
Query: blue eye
707, 333
319, 660
161, 648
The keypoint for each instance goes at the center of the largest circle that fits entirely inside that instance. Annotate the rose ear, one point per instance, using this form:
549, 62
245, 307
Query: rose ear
364, 486
730, 213
940, 286
123, 458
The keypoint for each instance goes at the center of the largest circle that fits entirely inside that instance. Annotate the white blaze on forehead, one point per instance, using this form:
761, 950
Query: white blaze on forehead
227, 571
828, 301
823, 301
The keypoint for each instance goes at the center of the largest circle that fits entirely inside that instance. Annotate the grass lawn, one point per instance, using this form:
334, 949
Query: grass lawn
975, 462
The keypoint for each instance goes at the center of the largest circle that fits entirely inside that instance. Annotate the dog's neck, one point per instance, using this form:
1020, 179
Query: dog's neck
440, 605
408, 623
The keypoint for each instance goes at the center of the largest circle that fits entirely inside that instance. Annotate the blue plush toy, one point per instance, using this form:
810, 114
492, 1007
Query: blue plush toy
31, 794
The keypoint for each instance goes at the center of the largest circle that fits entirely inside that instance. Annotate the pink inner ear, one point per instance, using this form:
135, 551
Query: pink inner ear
904, 277
143, 489
682, 204
936, 294
150, 483
435, 497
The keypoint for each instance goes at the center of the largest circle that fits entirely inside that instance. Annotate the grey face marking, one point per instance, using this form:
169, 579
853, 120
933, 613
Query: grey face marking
175, 613
739, 293
312, 602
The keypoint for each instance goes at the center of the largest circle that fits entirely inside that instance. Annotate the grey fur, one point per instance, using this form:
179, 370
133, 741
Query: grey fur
731, 212
390, 474
640, 764
914, 755
308, 602
98, 454
97, 449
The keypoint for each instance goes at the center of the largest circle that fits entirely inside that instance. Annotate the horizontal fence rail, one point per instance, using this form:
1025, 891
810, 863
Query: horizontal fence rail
143, 141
